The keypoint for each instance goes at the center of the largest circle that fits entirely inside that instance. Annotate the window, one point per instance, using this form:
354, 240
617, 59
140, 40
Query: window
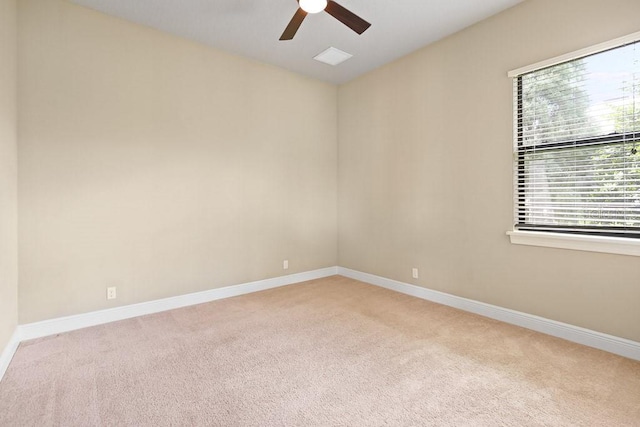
577, 143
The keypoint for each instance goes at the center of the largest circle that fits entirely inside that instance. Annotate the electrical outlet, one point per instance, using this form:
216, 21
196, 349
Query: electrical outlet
111, 292
414, 273
285, 264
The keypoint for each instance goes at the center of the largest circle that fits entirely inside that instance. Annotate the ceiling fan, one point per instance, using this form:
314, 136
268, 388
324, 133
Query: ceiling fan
343, 15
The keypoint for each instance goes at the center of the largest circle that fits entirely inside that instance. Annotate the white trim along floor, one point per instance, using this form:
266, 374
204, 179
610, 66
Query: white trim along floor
610, 343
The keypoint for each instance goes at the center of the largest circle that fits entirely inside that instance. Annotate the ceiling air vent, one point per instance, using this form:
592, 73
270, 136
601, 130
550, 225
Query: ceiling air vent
332, 56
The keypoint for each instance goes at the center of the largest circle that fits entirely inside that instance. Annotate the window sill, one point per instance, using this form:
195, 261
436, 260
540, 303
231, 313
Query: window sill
610, 245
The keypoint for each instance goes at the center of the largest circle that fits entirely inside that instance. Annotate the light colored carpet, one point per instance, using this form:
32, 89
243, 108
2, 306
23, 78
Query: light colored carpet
323, 353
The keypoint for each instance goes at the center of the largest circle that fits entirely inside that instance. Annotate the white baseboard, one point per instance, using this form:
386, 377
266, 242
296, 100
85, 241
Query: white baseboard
8, 352
610, 343
64, 324
69, 323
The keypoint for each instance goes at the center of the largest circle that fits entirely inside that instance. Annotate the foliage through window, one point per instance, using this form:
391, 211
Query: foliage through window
577, 145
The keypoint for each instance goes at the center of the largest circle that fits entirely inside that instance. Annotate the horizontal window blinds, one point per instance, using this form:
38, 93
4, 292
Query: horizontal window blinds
577, 145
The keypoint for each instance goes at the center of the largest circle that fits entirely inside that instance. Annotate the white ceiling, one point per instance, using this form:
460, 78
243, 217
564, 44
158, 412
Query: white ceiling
252, 28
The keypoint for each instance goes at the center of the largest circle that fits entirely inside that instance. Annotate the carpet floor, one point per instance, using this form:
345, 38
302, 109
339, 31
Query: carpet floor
330, 352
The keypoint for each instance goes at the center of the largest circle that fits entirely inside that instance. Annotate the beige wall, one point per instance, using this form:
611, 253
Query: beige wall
8, 173
160, 166
425, 171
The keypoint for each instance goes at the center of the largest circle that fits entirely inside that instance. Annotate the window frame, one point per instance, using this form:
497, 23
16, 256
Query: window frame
605, 240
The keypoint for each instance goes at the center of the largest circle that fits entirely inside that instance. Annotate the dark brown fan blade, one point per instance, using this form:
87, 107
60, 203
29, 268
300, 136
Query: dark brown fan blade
347, 17
294, 24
